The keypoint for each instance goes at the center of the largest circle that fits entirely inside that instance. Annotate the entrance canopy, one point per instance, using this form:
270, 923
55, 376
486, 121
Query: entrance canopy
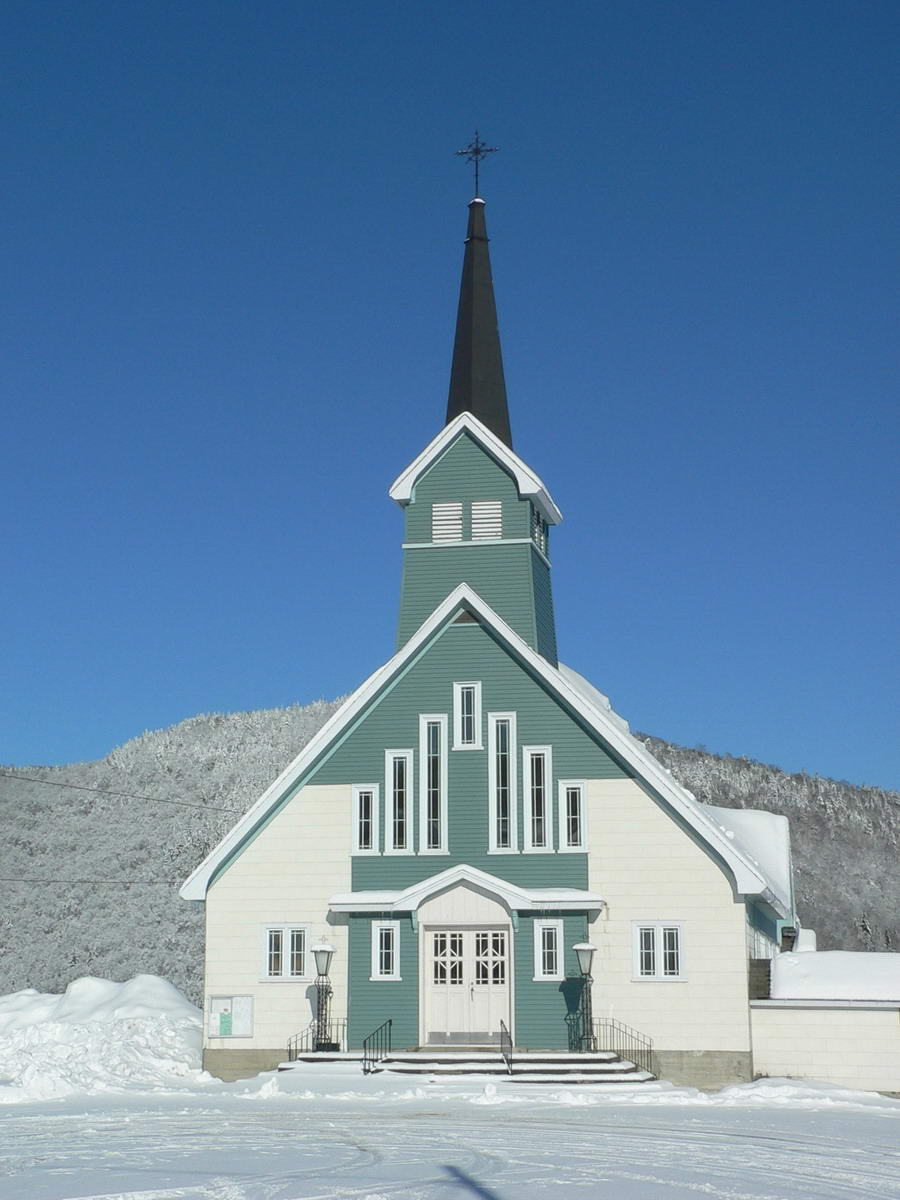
515, 897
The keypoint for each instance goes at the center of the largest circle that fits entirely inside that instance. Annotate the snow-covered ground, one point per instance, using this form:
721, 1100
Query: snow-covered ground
104, 1101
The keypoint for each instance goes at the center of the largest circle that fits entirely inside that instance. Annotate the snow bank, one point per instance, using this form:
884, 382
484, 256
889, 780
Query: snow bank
836, 975
98, 1036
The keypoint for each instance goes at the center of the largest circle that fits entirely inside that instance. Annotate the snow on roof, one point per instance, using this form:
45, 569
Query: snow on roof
836, 975
527, 482
586, 689
765, 839
749, 877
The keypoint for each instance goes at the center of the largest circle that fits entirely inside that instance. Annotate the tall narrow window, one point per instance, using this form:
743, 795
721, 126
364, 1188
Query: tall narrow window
467, 716
671, 952
502, 825
537, 795
487, 520
298, 953
433, 784
365, 819
385, 950
548, 949
570, 806
447, 522
398, 802
648, 951
538, 801
658, 951
276, 951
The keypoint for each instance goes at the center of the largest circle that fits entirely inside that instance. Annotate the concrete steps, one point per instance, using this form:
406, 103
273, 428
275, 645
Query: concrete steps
528, 1066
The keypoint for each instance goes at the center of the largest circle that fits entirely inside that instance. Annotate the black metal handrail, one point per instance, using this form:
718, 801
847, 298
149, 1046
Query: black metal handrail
621, 1039
506, 1047
307, 1040
376, 1046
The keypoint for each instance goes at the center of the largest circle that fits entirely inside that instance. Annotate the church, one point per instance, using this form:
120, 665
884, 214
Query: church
475, 843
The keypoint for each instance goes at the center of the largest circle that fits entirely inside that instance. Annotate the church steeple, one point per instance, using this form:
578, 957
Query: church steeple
476, 375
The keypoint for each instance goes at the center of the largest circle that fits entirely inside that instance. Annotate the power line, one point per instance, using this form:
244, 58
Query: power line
82, 787
99, 882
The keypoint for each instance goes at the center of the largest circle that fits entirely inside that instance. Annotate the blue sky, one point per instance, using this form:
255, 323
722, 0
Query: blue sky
233, 234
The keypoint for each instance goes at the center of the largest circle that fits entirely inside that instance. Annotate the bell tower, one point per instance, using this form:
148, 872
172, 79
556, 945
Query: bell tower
475, 512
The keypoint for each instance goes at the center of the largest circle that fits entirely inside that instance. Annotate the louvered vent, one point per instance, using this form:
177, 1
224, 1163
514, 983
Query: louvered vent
487, 521
446, 522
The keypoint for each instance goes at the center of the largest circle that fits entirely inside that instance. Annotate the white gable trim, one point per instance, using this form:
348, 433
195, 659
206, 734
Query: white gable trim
527, 482
749, 877
515, 898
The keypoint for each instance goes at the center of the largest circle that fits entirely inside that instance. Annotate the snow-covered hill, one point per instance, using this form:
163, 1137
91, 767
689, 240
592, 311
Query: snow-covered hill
124, 856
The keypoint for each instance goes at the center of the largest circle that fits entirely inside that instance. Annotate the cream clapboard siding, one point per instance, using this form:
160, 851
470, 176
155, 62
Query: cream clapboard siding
854, 1046
648, 869
287, 874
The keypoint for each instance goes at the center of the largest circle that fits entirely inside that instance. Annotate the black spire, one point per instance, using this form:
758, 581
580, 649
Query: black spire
476, 376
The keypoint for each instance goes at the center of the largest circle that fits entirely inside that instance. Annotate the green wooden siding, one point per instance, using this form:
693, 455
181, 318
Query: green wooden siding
542, 1006
370, 1002
545, 624
502, 575
763, 919
467, 652
510, 577
466, 472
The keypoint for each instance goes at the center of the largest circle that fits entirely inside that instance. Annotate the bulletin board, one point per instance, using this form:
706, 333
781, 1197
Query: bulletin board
230, 1016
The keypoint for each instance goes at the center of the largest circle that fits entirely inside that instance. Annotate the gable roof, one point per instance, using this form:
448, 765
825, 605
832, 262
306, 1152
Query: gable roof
529, 485
515, 897
749, 876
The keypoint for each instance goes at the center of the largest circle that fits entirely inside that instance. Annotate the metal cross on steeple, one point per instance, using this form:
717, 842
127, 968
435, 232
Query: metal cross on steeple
475, 152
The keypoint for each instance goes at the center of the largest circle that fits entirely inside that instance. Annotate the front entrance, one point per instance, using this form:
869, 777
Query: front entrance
467, 986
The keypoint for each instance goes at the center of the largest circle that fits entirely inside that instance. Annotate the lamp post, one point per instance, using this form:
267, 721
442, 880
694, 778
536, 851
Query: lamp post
323, 954
584, 952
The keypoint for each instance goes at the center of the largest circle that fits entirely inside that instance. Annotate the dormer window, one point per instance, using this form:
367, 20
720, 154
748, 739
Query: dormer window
487, 520
447, 521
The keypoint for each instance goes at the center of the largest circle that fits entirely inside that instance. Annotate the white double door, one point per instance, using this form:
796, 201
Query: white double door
467, 985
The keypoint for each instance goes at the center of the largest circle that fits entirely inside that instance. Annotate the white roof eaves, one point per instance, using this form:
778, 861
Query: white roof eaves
527, 482
194, 887
515, 897
749, 880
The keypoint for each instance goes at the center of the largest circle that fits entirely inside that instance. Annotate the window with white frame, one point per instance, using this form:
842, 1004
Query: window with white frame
398, 818
536, 790
385, 950
433, 783
447, 522
365, 818
658, 950
285, 952
549, 952
467, 716
502, 823
487, 520
570, 808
